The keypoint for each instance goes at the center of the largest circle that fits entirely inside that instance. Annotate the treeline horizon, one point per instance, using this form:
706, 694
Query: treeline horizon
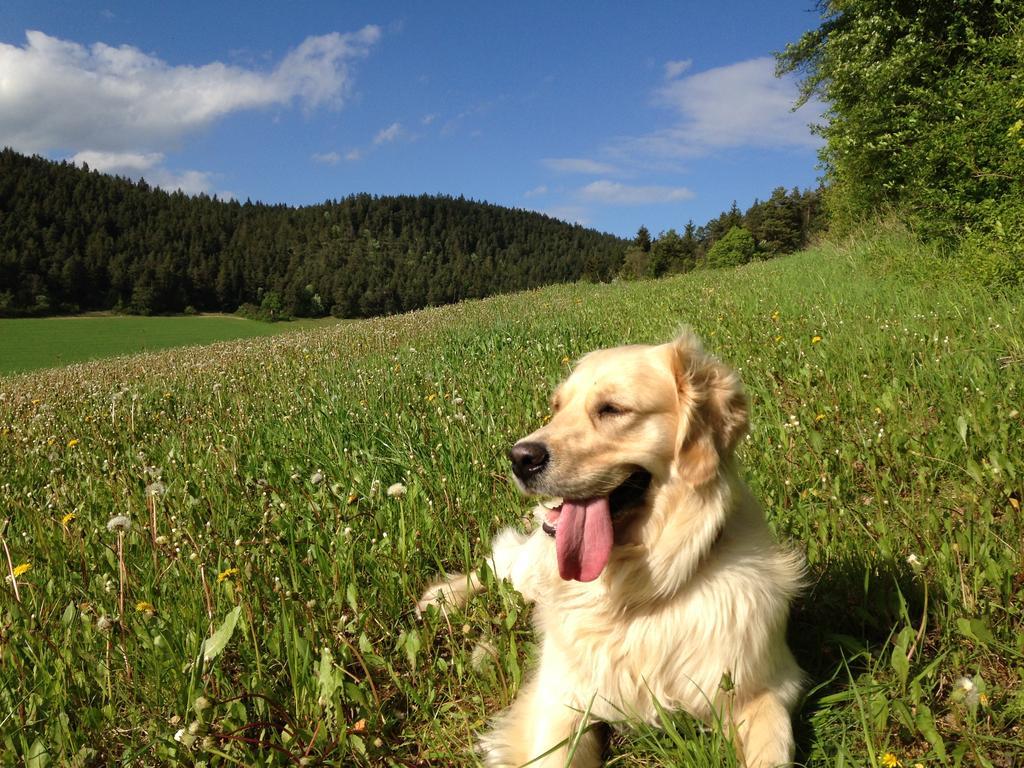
75, 240
784, 223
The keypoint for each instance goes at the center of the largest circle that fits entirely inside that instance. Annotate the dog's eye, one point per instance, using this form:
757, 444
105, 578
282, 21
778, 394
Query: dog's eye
610, 409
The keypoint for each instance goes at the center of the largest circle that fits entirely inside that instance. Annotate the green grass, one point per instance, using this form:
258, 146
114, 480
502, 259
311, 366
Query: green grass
253, 474
29, 344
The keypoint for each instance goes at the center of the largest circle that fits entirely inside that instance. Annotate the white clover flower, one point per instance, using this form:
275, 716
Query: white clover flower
119, 523
914, 562
396, 490
316, 478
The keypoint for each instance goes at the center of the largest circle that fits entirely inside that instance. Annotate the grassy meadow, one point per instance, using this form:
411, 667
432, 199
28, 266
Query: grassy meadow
31, 343
205, 565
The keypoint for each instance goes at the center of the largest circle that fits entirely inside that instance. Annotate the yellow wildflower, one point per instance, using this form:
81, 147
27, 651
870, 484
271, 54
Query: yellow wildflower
431, 397
73, 442
775, 315
68, 518
820, 417
226, 574
778, 339
22, 569
889, 760
816, 339
983, 699
144, 607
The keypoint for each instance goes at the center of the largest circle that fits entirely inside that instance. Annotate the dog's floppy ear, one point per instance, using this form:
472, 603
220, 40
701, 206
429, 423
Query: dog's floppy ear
713, 411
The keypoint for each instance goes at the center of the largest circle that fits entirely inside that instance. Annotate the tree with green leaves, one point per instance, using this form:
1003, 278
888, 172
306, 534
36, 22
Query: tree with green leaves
643, 239
734, 248
924, 99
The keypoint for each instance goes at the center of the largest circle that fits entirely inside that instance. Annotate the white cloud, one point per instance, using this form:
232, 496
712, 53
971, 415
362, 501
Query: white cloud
428, 119
389, 134
613, 193
326, 158
738, 105
123, 163
148, 165
189, 182
353, 154
674, 69
60, 95
574, 214
537, 191
578, 165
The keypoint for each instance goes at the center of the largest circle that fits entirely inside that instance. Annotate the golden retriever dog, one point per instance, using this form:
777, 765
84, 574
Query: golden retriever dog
655, 579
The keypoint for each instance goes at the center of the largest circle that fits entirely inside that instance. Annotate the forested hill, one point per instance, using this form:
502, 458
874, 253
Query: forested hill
75, 240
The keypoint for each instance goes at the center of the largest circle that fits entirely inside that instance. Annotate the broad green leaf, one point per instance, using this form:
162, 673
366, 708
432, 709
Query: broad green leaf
926, 727
216, 643
37, 756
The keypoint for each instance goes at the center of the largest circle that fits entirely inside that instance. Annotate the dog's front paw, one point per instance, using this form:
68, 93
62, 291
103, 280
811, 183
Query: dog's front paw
448, 594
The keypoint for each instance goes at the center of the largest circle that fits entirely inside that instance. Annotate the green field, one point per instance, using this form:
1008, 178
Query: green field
886, 443
32, 343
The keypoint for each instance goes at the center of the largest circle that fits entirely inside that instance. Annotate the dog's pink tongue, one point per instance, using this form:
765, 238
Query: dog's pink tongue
583, 541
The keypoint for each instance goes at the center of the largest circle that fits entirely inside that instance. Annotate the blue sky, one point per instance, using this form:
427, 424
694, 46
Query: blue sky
609, 114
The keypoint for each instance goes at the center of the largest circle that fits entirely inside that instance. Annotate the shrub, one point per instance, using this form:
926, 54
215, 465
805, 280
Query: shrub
734, 248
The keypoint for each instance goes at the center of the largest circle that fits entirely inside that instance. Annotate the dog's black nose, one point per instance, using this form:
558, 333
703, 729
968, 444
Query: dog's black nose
528, 459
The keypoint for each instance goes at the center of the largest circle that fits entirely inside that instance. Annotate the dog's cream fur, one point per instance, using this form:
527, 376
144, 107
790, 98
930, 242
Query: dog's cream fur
690, 611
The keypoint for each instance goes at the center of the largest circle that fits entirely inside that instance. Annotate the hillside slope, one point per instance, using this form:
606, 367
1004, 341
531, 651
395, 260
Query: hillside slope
74, 240
885, 444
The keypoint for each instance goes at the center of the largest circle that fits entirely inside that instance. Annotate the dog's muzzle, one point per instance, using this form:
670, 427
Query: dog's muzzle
528, 459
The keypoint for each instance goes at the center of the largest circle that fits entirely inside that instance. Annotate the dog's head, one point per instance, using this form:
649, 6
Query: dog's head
626, 424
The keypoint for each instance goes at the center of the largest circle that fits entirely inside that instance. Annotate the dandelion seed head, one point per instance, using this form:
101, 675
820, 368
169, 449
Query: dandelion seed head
396, 490
119, 523
483, 653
